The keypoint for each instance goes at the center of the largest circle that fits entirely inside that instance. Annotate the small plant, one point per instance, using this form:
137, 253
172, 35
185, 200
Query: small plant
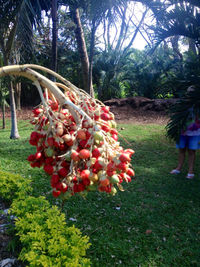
13, 186
45, 238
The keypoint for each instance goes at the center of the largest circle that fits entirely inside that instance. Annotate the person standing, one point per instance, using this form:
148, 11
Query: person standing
189, 142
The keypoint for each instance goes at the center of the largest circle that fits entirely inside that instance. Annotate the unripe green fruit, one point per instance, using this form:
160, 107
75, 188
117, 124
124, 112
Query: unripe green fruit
114, 179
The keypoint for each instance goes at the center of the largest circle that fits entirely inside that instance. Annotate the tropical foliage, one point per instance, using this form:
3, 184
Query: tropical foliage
97, 39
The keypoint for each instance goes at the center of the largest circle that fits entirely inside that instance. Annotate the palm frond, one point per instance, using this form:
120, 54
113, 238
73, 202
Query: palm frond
181, 111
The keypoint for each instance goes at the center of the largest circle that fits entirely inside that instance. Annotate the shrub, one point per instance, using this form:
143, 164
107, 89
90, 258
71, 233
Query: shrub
45, 238
13, 186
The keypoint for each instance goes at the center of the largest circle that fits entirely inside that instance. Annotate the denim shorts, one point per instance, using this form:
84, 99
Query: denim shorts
190, 142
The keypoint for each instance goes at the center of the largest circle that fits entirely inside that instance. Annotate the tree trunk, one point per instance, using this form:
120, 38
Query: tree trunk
81, 48
92, 43
14, 134
192, 46
4, 117
54, 34
18, 95
175, 47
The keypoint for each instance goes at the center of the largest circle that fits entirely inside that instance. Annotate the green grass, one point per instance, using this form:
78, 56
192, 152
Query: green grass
155, 222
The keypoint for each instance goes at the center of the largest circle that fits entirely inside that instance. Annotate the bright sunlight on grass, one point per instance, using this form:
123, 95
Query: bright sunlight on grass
155, 222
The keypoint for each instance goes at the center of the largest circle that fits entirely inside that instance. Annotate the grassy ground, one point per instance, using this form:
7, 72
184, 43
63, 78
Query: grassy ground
155, 222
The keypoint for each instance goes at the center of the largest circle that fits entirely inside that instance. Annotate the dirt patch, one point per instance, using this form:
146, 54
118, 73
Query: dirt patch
123, 114
129, 115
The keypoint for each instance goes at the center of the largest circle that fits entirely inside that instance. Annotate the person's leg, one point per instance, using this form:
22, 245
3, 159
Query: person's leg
193, 145
181, 158
181, 145
191, 160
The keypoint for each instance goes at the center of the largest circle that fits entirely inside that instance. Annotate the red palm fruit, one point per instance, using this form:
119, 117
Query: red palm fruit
128, 178
125, 157
122, 166
81, 187
84, 154
96, 117
95, 171
70, 143
61, 187
105, 116
130, 172
97, 166
33, 142
54, 180
54, 106
106, 109
83, 143
75, 180
72, 126
81, 135
88, 134
96, 153
39, 148
48, 169
49, 161
56, 193
34, 135
63, 172
65, 164
105, 128
38, 164
56, 144
75, 156
31, 157
38, 155
115, 137
111, 166
86, 182
62, 147
104, 182
34, 164
64, 187
85, 174
110, 172
129, 151
37, 111
114, 131
50, 141
102, 188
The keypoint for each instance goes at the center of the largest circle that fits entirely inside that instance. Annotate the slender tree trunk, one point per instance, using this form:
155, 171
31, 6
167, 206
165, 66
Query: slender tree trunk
54, 34
81, 48
192, 46
14, 134
4, 117
92, 43
18, 95
175, 47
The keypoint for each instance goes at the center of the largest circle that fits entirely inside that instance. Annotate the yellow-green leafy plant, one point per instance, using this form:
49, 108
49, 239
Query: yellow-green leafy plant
45, 238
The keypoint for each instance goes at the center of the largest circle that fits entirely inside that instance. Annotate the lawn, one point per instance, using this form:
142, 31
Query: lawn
155, 222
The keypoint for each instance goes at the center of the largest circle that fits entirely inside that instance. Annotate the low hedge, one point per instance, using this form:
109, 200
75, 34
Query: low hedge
46, 240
